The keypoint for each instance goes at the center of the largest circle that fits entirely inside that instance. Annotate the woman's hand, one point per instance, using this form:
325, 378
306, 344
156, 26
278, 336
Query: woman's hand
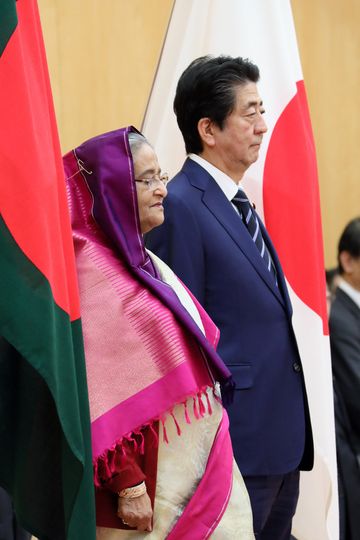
136, 513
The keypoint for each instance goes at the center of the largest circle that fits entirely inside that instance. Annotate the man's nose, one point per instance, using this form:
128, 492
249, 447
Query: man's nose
261, 126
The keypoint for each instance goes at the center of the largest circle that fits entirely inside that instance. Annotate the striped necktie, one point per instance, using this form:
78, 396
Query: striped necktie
252, 224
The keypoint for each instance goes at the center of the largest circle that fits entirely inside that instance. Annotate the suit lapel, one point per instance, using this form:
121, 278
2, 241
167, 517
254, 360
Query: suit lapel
348, 302
282, 287
216, 202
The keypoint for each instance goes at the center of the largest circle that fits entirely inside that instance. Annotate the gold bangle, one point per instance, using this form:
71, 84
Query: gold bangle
133, 492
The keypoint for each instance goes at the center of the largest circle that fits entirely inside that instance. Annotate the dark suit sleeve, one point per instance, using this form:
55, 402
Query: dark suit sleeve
345, 352
179, 243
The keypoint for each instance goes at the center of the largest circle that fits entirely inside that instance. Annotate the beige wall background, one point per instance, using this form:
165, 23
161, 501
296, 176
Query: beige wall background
329, 41
103, 55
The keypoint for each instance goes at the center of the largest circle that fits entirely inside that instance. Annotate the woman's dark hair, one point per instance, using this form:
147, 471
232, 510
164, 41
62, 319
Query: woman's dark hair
206, 90
350, 241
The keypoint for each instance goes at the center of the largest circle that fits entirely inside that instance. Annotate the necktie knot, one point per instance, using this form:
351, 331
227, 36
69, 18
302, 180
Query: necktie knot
240, 198
242, 203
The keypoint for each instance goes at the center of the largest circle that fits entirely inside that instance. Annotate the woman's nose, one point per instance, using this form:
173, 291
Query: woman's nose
161, 189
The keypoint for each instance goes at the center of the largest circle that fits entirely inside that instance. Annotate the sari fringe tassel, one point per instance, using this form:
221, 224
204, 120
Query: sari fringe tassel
106, 464
196, 413
178, 430
202, 410
141, 445
187, 417
154, 432
164, 431
208, 403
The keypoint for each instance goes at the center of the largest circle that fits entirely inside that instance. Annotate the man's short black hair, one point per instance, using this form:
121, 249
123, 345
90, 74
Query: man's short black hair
206, 90
350, 241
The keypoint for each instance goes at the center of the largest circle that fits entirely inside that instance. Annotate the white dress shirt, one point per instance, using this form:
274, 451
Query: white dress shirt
225, 183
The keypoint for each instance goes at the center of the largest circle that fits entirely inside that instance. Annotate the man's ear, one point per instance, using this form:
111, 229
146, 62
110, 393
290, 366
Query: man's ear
346, 262
206, 132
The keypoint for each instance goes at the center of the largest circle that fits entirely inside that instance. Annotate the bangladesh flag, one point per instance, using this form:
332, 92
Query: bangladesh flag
45, 453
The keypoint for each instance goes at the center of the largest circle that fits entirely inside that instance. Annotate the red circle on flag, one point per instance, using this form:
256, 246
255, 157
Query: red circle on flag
291, 203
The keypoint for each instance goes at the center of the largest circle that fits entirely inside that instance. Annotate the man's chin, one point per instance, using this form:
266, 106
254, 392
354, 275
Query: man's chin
254, 154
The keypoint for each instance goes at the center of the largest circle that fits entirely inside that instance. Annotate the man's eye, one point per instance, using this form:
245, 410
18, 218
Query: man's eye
254, 113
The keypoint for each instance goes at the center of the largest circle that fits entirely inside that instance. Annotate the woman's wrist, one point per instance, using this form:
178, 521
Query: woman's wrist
133, 492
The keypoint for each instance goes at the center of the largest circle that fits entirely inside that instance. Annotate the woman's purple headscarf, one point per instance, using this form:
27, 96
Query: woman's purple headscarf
106, 164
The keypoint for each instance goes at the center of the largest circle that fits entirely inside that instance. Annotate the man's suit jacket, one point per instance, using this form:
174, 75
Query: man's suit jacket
345, 353
345, 356
205, 242
9, 528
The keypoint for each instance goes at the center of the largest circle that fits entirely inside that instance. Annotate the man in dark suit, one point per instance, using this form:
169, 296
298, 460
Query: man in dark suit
215, 242
9, 528
345, 355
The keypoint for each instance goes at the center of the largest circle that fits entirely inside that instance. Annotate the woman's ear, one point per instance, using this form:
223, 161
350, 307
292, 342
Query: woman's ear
206, 132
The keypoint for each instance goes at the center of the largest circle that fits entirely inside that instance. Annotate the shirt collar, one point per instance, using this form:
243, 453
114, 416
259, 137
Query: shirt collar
225, 183
350, 291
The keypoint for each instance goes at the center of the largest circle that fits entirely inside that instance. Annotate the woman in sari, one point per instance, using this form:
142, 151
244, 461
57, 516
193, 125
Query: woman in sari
163, 462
